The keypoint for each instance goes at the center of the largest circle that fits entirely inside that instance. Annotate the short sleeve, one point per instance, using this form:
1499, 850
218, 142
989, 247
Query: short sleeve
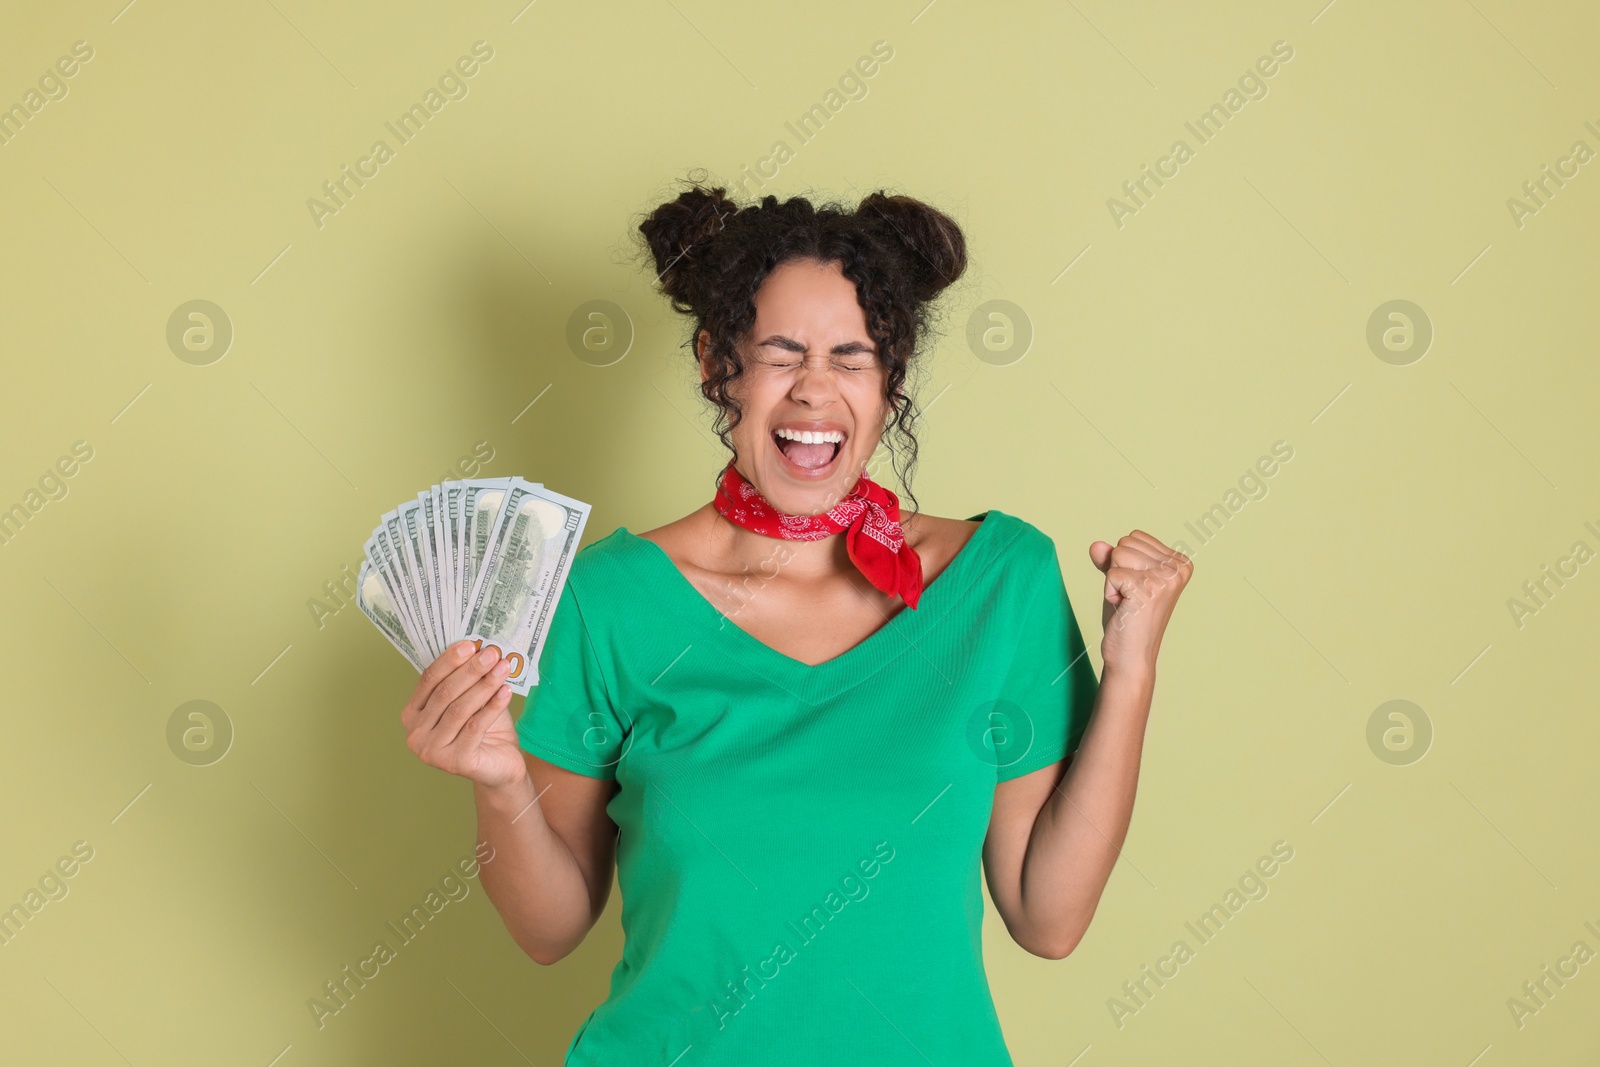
1049, 690
569, 718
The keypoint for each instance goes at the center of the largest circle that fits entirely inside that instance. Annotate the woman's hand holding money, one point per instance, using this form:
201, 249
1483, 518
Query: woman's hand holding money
458, 717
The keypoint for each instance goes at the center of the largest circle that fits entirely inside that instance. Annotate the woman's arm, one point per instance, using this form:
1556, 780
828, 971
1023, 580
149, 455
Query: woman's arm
1055, 834
549, 870
553, 850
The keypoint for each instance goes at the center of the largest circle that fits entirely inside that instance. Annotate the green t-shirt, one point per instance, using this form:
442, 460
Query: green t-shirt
800, 846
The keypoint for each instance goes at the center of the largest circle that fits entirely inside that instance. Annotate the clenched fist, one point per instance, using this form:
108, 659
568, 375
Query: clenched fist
1143, 580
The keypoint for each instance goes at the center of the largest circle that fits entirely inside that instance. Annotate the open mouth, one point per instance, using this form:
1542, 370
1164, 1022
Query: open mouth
809, 453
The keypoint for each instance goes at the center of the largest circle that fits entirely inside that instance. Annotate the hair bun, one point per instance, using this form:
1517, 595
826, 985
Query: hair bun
938, 251
678, 232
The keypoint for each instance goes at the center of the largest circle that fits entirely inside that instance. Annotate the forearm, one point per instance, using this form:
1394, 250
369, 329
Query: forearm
534, 881
1079, 831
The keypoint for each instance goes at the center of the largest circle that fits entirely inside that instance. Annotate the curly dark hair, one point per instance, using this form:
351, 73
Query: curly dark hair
711, 255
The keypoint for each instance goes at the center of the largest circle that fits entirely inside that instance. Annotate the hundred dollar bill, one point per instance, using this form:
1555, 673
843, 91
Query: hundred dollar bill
519, 583
382, 567
458, 540
478, 506
396, 548
429, 540
479, 511
411, 530
450, 494
373, 600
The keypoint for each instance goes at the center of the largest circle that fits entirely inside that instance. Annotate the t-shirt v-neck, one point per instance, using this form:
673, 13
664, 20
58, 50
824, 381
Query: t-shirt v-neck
800, 843
900, 632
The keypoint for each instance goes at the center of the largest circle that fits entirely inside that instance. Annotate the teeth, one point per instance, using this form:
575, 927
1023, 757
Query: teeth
812, 437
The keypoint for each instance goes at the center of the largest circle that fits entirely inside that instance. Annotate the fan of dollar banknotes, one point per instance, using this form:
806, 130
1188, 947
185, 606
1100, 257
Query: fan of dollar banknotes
481, 560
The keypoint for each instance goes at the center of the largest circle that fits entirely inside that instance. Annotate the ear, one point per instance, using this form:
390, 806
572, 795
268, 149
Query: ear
702, 349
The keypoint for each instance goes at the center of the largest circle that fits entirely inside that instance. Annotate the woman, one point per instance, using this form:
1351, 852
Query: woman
796, 719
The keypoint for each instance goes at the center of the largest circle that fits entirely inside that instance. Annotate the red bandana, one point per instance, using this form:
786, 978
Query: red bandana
869, 517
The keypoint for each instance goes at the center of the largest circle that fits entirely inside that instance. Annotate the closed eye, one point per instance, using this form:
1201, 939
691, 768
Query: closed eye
781, 351
848, 363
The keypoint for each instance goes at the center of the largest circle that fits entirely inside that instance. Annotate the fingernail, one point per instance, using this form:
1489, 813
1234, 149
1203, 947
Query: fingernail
462, 649
488, 655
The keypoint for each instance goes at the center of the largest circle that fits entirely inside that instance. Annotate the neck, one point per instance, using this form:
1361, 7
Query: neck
747, 552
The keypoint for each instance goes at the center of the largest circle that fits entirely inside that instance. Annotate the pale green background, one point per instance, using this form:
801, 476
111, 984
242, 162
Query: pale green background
1227, 315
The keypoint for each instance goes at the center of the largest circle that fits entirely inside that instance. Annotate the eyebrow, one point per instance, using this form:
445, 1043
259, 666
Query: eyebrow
845, 348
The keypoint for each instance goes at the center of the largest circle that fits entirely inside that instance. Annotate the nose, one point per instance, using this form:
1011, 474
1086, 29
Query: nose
815, 383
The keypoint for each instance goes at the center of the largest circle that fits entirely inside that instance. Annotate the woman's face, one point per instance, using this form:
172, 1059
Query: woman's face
812, 390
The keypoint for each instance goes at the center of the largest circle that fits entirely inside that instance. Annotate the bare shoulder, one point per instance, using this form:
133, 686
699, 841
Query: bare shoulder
937, 539
678, 537
922, 528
